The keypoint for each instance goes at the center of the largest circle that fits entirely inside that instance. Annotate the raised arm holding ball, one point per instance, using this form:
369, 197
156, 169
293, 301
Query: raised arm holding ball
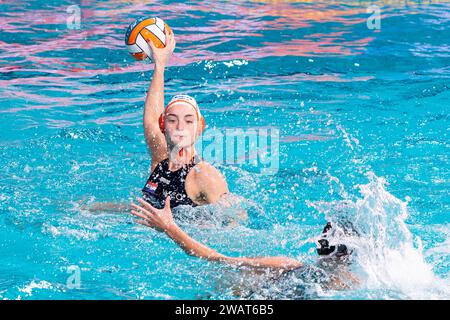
176, 169
170, 131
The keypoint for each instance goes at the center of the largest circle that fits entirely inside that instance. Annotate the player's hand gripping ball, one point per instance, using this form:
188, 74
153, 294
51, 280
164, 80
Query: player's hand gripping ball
140, 32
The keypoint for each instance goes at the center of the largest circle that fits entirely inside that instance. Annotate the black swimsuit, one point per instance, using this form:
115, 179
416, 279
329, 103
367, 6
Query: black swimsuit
163, 182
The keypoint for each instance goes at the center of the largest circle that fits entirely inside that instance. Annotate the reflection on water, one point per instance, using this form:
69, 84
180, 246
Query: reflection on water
347, 100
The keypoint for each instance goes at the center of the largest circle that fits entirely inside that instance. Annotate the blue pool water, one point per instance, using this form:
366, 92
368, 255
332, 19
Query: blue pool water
363, 126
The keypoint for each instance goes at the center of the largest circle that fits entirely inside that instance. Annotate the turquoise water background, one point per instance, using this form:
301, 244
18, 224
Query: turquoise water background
363, 126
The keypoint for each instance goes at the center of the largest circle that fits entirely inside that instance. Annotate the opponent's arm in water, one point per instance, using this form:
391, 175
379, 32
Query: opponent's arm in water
154, 102
162, 220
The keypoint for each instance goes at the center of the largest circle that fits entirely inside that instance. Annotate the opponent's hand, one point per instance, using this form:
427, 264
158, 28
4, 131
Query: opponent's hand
159, 219
161, 56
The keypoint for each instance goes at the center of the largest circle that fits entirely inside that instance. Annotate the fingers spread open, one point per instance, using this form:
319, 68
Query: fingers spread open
140, 209
146, 213
147, 205
151, 44
138, 214
167, 202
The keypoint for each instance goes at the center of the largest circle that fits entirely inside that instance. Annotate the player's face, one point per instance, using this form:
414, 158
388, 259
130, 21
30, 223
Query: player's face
181, 125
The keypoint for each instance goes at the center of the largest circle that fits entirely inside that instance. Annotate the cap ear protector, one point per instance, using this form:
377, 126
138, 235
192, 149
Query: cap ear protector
189, 100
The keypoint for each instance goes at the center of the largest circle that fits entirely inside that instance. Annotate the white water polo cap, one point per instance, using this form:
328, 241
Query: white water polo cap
185, 100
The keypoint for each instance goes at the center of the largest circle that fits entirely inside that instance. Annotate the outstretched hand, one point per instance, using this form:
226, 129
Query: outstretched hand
161, 56
159, 219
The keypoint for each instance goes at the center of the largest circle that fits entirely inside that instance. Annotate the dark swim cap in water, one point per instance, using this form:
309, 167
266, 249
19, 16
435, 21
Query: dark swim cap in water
326, 249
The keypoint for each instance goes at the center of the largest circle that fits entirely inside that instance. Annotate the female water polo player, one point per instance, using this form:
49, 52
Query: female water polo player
176, 169
170, 133
332, 274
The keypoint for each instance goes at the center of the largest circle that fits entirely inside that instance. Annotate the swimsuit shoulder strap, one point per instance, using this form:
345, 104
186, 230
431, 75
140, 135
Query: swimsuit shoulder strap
161, 166
195, 160
164, 163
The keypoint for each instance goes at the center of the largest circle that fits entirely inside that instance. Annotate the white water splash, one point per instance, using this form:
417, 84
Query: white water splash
28, 289
387, 256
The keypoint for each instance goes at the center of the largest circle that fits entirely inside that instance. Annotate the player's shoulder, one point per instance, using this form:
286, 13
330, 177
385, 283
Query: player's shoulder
205, 183
206, 175
204, 169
